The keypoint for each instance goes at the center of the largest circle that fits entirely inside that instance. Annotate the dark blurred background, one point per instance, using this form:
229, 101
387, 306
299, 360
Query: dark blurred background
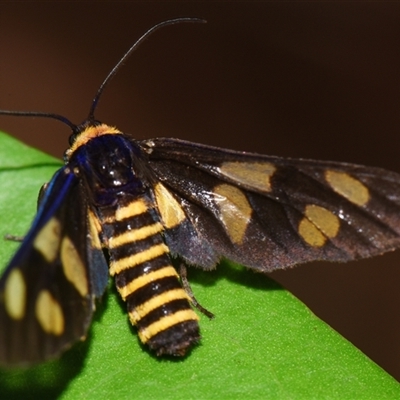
312, 80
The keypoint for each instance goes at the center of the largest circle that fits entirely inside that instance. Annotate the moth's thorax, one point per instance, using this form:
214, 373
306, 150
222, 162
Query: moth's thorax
110, 166
89, 133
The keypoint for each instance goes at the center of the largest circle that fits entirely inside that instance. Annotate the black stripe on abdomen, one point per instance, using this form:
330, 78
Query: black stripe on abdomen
146, 280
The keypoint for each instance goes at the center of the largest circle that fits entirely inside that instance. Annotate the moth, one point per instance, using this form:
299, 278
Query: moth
126, 207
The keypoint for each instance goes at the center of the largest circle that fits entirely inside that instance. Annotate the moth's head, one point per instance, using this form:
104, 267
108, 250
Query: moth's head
86, 131
77, 130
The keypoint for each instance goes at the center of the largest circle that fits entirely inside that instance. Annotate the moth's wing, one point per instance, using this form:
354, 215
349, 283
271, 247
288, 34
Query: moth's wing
270, 212
47, 291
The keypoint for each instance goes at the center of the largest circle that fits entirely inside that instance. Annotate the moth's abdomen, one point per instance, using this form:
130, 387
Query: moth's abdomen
139, 260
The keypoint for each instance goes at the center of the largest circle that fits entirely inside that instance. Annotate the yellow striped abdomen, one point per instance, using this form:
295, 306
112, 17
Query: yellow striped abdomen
146, 279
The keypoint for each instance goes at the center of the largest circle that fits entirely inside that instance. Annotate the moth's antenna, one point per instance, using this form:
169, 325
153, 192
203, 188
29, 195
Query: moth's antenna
129, 52
66, 121
58, 117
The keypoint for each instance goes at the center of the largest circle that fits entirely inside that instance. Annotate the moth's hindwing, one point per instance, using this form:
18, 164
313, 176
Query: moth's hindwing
269, 212
47, 291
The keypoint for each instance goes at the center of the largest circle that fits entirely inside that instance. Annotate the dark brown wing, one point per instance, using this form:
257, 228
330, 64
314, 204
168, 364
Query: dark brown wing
269, 212
47, 291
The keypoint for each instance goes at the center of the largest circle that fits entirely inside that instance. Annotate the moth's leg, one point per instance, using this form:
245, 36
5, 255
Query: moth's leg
189, 291
14, 238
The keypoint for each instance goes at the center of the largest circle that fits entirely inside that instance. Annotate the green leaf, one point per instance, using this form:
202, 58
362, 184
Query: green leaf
263, 343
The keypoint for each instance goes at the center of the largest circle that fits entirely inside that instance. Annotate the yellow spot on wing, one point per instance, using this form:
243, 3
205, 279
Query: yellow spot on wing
15, 295
94, 229
170, 210
49, 314
311, 234
73, 267
347, 186
235, 210
145, 279
254, 174
47, 241
166, 322
139, 312
134, 235
317, 225
125, 263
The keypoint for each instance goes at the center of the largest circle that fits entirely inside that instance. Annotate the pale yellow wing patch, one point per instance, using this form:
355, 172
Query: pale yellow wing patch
49, 313
347, 186
318, 225
257, 174
48, 239
15, 295
170, 210
73, 267
94, 229
235, 211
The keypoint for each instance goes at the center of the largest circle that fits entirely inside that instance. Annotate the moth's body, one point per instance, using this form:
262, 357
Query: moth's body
123, 213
